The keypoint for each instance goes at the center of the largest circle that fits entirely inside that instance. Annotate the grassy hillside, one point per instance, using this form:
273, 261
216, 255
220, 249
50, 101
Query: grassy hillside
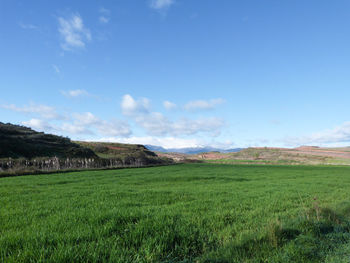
181, 213
22, 142
125, 152
305, 155
274, 156
115, 150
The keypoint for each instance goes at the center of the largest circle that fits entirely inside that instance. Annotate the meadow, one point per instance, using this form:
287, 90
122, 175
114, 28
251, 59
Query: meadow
179, 213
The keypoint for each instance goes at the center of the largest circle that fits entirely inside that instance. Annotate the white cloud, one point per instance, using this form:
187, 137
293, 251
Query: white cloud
86, 118
73, 32
338, 135
115, 128
185, 126
203, 104
38, 125
74, 128
169, 105
156, 123
75, 93
161, 4
44, 111
131, 107
78, 124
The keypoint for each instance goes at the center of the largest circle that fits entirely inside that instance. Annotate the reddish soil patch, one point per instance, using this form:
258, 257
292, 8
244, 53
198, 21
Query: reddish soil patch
320, 152
116, 148
211, 156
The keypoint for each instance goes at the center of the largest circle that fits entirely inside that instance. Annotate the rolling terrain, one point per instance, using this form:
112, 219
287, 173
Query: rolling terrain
308, 155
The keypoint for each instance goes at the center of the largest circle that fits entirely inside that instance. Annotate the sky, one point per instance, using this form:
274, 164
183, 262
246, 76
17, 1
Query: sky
179, 73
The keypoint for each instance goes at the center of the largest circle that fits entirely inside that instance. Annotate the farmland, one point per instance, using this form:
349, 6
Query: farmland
179, 213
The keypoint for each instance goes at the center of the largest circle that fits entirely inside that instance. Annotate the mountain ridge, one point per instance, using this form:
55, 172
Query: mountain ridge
191, 150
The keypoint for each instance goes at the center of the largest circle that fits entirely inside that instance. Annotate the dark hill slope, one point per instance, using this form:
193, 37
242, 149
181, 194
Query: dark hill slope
122, 151
18, 141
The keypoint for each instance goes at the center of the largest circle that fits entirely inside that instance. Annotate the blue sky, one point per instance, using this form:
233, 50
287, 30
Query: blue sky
179, 73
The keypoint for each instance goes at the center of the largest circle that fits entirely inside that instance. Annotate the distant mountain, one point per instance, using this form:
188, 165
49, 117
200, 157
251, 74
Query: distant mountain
191, 150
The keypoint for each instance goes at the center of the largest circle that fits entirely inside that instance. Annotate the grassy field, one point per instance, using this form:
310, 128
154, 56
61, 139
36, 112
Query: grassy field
179, 213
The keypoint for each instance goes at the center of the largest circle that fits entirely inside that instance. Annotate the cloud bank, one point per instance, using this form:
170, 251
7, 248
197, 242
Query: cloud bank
155, 123
338, 135
153, 127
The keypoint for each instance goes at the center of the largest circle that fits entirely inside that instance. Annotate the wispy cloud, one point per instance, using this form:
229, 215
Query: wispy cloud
203, 104
73, 32
161, 5
103, 19
169, 105
75, 93
105, 11
43, 111
56, 69
105, 15
28, 26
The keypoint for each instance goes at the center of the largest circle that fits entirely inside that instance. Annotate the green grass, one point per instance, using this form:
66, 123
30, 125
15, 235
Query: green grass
179, 213
243, 161
338, 161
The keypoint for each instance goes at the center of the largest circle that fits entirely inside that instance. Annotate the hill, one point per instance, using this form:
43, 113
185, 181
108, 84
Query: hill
23, 150
269, 155
121, 151
22, 142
